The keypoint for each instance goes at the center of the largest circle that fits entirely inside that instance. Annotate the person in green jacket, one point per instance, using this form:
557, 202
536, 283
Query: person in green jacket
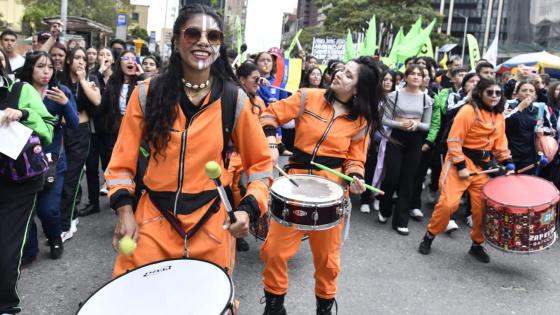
17, 200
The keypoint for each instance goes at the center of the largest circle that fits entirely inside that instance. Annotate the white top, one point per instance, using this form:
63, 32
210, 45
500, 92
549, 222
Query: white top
17, 62
122, 98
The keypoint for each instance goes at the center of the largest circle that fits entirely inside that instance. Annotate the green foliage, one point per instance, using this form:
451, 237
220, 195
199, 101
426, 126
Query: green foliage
354, 15
139, 32
101, 11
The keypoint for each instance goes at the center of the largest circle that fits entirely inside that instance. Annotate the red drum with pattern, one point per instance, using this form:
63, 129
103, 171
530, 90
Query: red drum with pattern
520, 214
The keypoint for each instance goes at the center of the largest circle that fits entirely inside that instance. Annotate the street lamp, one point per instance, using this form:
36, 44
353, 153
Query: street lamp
464, 37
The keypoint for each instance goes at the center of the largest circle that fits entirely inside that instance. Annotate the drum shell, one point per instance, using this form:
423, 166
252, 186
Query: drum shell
306, 215
520, 229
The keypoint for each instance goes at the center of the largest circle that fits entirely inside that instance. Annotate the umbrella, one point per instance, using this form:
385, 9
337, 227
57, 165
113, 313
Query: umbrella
546, 62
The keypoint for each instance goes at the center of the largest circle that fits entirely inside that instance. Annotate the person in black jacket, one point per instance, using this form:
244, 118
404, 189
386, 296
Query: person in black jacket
521, 120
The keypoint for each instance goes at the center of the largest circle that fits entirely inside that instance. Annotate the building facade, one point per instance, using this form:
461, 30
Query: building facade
139, 16
307, 13
12, 12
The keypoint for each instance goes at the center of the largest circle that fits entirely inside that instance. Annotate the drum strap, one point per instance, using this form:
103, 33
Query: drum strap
214, 207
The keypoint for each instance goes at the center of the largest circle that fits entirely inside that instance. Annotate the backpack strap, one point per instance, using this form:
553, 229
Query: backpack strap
142, 95
13, 96
229, 101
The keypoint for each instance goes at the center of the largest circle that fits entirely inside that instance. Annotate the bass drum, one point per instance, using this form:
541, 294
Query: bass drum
180, 286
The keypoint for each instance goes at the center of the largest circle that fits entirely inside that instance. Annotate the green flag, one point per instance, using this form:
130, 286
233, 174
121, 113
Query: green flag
474, 52
427, 49
397, 42
294, 41
412, 48
238, 34
369, 45
414, 31
349, 51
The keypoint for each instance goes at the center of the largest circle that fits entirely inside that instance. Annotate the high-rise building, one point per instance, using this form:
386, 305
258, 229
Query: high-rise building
233, 9
477, 13
307, 13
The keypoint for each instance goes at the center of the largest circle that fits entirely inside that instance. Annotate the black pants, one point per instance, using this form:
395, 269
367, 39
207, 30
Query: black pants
425, 161
401, 163
76, 144
371, 162
92, 170
16, 210
438, 155
106, 144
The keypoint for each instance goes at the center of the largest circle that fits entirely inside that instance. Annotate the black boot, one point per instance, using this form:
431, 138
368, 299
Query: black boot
478, 252
324, 306
56, 248
274, 304
241, 245
426, 244
90, 208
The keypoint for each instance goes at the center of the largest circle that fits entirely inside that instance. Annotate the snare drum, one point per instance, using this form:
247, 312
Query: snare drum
520, 214
185, 286
260, 228
317, 204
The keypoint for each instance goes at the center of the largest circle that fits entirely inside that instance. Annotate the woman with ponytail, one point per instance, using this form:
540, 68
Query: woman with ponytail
178, 113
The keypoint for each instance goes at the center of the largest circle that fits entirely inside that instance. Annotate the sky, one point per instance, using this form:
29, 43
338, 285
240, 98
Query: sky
263, 26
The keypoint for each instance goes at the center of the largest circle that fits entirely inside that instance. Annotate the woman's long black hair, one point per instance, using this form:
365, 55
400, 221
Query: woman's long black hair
369, 94
305, 82
166, 88
112, 94
478, 90
65, 77
4, 71
25, 73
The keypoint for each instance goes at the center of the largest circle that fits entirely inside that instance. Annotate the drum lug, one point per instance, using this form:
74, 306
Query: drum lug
315, 216
285, 212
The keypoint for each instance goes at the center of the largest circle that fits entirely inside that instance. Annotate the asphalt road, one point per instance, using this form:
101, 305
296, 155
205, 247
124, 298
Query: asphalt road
382, 273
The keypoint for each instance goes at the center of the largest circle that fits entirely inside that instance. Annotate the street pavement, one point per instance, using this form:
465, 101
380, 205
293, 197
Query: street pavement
382, 273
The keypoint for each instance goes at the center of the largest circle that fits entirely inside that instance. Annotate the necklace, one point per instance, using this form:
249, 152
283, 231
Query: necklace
200, 86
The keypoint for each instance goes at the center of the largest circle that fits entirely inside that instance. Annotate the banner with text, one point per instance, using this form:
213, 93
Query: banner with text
326, 48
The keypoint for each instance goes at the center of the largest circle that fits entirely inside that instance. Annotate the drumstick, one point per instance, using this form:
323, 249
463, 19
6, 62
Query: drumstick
279, 169
213, 171
489, 171
543, 161
346, 177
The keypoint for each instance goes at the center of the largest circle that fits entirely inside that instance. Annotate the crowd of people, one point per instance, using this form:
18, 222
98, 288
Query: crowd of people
133, 122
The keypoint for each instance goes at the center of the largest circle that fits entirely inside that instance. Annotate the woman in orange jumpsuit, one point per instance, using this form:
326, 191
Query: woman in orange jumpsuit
179, 123
478, 131
332, 128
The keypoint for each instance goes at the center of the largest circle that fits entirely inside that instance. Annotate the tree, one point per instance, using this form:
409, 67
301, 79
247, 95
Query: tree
355, 14
101, 11
3, 24
139, 32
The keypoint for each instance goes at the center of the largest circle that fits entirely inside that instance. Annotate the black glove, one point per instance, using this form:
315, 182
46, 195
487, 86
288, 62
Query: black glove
250, 205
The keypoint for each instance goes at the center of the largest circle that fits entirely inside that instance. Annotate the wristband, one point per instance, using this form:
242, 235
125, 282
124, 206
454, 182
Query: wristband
273, 145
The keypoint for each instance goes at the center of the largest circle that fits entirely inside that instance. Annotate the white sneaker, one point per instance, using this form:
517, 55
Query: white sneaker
376, 204
365, 208
451, 227
416, 214
103, 191
74, 225
66, 235
469, 220
381, 218
402, 230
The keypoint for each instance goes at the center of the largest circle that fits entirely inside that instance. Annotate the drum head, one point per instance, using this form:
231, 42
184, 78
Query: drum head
185, 286
312, 189
521, 192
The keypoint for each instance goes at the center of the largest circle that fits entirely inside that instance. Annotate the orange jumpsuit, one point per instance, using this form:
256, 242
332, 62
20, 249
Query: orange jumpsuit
320, 136
472, 128
235, 167
201, 142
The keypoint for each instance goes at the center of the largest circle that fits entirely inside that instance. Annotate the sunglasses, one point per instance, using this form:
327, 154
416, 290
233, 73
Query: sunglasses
193, 35
491, 93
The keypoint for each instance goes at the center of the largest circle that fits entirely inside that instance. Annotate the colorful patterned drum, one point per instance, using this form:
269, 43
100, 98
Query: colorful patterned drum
520, 214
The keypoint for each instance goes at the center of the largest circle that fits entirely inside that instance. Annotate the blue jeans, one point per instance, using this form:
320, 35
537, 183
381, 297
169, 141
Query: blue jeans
48, 211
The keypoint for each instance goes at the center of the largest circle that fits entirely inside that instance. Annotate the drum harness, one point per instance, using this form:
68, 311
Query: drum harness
229, 104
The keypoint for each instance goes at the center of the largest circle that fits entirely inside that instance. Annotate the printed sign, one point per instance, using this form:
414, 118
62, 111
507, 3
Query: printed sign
328, 48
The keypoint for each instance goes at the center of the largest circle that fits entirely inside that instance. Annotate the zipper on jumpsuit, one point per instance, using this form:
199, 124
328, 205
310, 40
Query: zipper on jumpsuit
182, 159
323, 137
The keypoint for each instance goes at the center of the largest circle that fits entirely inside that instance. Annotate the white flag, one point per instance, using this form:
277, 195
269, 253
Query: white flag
492, 53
